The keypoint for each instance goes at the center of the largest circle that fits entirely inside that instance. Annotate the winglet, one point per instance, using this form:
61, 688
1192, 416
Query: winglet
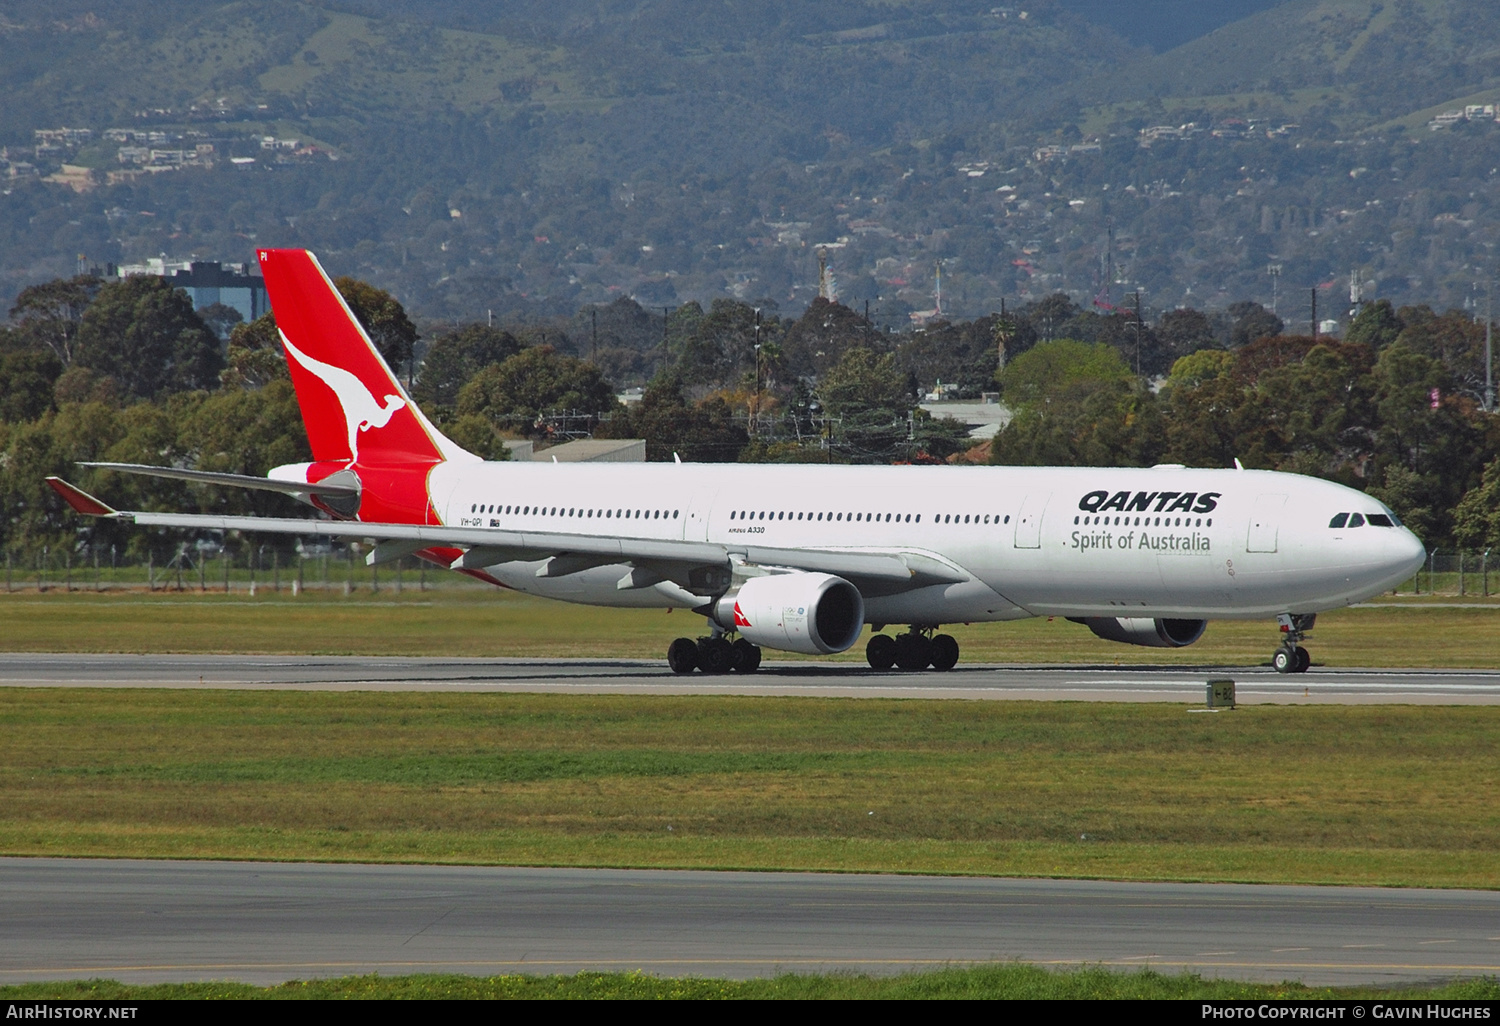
80, 500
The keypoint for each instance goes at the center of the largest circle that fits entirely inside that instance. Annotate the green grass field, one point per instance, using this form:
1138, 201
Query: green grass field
1324, 794
473, 621
1012, 982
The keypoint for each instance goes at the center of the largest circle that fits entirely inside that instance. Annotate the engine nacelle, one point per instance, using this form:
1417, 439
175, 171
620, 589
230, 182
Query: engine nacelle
815, 614
1134, 630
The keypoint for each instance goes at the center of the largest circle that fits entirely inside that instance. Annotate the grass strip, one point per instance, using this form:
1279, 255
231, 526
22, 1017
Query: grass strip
1388, 795
471, 622
1012, 981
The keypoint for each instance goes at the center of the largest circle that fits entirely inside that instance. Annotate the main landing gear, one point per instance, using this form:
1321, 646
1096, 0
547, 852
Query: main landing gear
917, 649
713, 655
1291, 657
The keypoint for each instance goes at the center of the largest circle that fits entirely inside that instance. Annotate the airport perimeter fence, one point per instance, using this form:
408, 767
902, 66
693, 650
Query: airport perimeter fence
1459, 572
256, 571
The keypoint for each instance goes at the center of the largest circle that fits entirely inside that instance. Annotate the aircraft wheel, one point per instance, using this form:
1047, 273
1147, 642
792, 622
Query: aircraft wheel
1284, 661
880, 653
944, 652
746, 656
715, 655
682, 655
1303, 660
913, 652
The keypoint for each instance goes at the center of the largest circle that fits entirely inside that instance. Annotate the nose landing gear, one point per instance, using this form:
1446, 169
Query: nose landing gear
915, 650
1291, 657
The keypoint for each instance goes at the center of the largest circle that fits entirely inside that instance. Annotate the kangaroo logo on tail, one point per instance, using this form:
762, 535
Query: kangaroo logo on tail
361, 411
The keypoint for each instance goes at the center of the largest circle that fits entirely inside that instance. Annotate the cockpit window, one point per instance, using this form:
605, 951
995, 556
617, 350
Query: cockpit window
1379, 520
1339, 520
1355, 520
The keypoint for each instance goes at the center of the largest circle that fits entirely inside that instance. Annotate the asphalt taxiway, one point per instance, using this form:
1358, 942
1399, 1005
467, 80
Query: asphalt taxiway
594, 676
266, 922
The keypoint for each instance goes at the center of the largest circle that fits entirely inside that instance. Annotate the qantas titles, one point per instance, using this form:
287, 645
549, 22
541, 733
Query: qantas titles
1166, 502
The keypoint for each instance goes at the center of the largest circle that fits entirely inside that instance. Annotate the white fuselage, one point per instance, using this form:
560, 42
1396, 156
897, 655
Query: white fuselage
1079, 542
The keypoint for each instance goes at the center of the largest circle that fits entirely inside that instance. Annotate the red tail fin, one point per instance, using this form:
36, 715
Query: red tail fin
354, 407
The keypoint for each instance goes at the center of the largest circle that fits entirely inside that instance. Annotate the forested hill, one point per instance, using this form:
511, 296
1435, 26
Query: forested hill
1354, 63
528, 157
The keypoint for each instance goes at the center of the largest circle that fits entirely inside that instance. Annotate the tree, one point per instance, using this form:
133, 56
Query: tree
1250, 321
819, 338
1454, 339
963, 354
384, 320
1309, 416
702, 432
1077, 404
515, 394
722, 344
1443, 447
50, 313
255, 357
241, 431
871, 400
862, 381
27, 377
143, 333
624, 339
1377, 325
1059, 370
455, 357
1476, 520
478, 436
1182, 332
220, 319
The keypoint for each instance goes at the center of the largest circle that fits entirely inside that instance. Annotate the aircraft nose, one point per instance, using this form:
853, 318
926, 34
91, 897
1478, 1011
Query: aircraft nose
1406, 553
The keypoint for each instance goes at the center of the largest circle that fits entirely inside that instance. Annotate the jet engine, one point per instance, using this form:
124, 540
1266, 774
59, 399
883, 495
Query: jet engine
1134, 630
815, 614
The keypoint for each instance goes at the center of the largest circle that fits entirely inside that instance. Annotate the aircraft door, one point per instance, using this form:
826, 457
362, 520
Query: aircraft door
696, 523
1265, 520
1029, 520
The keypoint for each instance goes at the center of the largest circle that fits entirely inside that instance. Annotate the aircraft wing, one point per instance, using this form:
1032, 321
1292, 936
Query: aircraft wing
699, 567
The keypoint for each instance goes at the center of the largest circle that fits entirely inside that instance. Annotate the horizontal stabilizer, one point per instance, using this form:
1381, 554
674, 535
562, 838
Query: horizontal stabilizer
231, 480
80, 500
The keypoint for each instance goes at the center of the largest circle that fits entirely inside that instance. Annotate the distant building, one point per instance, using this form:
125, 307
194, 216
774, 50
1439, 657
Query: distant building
583, 450
209, 282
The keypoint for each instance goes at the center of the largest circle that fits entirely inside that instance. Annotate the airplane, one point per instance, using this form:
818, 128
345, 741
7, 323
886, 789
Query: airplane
799, 558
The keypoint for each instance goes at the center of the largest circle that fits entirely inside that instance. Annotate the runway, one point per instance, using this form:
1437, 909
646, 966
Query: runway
591, 676
153, 921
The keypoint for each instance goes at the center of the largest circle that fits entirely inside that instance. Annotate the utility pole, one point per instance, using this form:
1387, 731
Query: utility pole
1109, 260
1315, 313
755, 403
594, 346
665, 313
1489, 351
1138, 327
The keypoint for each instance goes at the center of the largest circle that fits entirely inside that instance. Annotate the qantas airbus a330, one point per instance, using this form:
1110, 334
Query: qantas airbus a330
800, 558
